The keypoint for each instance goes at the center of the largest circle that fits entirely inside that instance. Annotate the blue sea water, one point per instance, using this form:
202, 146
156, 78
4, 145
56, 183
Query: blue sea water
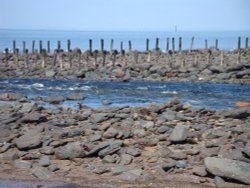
227, 40
133, 93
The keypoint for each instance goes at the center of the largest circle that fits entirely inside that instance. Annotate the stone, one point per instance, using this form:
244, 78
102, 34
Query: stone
33, 118
117, 170
131, 175
70, 151
132, 151
119, 73
247, 149
26, 108
29, 141
54, 99
97, 148
99, 117
181, 164
9, 156
199, 171
10, 96
5, 147
228, 168
169, 165
144, 124
41, 172
108, 159
114, 146
44, 161
239, 113
179, 134
101, 170
22, 164
219, 182
125, 159
162, 129
75, 97
110, 133
106, 102
50, 73
169, 115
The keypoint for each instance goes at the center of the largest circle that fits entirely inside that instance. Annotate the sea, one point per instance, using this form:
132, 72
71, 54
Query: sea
227, 40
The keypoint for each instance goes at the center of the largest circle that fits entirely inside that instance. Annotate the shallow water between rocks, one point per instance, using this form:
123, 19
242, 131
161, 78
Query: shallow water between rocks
132, 93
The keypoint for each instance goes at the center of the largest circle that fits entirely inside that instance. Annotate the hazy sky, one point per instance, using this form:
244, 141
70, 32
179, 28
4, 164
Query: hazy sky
125, 14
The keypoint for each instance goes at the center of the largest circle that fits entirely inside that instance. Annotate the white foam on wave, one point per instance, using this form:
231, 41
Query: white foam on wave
37, 85
169, 92
142, 88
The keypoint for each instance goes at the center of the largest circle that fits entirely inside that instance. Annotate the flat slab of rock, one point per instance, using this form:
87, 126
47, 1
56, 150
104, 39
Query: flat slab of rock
54, 99
70, 151
28, 141
228, 168
179, 134
33, 118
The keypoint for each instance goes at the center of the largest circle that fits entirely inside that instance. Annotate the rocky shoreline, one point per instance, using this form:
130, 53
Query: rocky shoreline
209, 65
159, 145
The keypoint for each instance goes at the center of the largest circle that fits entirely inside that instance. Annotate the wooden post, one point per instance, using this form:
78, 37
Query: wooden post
48, 46
238, 57
149, 56
195, 60
16, 57
180, 44
183, 59
43, 58
102, 45
129, 46
79, 53
26, 58
35, 57
68, 45
173, 45
24, 47
157, 44
114, 53
191, 44
239, 43
123, 58
246, 42
216, 44
6, 55
70, 58
90, 45
136, 56
111, 44
59, 45
60, 57
206, 44
55, 57
104, 52
121, 47
40, 46
208, 56
167, 45
147, 45
170, 58
14, 47
33, 46
95, 58
222, 58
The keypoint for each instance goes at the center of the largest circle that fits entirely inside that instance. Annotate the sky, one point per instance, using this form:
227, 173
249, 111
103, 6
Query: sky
134, 15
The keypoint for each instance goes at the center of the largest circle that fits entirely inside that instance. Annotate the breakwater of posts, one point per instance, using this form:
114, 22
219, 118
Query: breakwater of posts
171, 63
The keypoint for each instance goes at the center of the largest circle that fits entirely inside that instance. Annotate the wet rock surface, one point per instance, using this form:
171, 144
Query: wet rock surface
159, 142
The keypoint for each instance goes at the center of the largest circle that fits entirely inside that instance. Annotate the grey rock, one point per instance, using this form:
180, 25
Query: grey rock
228, 168
109, 159
10, 96
179, 134
132, 151
5, 147
44, 161
33, 118
41, 172
110, 133
70, 151
144, 124
50, 73
101, 170
181, 164
163, 129
243, 73
117, 170
168, 115
131, 175
106, 102
26, 108
169, 165
22, 164
29, 141
199, 171
9, 156
239, 113
247, 149
219, 182
113, 147
125, 159
97, 148
99, 117
75, 97
54, 99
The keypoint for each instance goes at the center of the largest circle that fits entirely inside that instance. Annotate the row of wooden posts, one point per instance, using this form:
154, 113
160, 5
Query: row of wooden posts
121, 45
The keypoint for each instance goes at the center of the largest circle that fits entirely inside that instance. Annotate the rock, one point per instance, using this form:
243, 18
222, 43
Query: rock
41, 172
54, 99
219, 182
33, 118
26, 108
125, 159
132, 151
247, 149
97, 148
162, 129
109, 159
144, 124
199, 171
4, 135
117, 170
10, 96
101, 170
169, 165
75, 97
228, 168
206, 72
50, 73
44, 161
119, 73
239, 113
99, 117
216, 69
179, 134
29, 141
22, 164
131, 175
110, 133
181, 164
106, 102
114, 146
243, 73
5, 147
70, 151
169, 115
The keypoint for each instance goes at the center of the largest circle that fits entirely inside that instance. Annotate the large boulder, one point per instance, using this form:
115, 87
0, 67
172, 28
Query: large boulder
179, 134
54, 99
70, 151
228, 168
238, 113
28, 141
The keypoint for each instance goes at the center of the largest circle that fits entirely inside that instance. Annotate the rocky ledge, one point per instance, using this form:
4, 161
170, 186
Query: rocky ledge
157, 143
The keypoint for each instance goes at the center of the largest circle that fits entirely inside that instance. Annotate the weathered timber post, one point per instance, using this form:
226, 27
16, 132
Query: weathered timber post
246, 46
33, 47
55, 57
59, 45
129, 46
123, 58
35, 57
26, 58
158, 54
173, 45
103, 53
195, 60
222, 58
167, 45
70, 58
216, 44
16, 57
48, 46
6, 55
111, 44
68, 45
206, 44
60, 58
114, 53
149, 56
14, 46
102, 45
43, 58
147, 45
239, 43
136, 56
209, 52
170, 58
79, 53
180, 44
238, 57
183, 63
95, 58
90, 45
40, 46
121, 47
24, 47
191, 44
157, 44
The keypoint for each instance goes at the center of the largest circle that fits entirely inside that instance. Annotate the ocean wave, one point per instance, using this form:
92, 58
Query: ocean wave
169, 92
142, 88
39, 85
